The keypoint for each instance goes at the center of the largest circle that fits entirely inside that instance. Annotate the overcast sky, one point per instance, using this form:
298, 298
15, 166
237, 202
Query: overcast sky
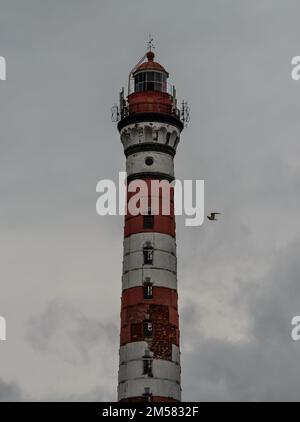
60, 269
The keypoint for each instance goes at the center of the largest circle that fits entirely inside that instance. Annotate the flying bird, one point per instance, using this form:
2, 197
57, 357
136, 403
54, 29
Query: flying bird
212, 216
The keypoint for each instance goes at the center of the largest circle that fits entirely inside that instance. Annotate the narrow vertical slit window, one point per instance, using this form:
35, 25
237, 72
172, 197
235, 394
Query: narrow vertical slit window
148, 367
148, 290
148, 329
148, 255
168, 135
148, 221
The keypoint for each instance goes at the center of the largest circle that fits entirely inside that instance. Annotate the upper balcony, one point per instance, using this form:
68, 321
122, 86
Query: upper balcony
149, 96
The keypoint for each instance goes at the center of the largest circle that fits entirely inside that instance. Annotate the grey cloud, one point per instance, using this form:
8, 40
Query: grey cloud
265, 365
61, 329
94, 395
10, 391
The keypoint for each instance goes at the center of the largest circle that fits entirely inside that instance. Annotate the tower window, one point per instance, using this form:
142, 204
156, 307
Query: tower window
147, 395
148, 221
148, 255
148, 329
147, 367
150, 76
150, 81
168, 135
176, 142
149, 161
148, 290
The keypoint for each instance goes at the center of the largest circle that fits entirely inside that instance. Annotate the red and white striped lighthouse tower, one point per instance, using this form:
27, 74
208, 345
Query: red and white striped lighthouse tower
150, 125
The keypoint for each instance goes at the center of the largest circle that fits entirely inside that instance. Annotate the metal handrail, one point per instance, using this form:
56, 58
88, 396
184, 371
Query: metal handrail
126, 112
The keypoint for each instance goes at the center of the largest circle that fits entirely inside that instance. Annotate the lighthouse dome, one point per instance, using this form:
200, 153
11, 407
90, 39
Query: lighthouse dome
150, 65
150, 76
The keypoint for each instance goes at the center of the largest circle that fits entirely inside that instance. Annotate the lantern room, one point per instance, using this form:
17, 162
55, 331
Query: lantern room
150, 76
149, 90
150, 95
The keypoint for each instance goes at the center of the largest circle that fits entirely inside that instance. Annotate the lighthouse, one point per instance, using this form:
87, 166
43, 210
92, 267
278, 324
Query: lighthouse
150, 125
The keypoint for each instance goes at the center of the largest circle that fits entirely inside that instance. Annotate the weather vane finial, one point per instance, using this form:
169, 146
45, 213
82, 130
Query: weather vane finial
150, 44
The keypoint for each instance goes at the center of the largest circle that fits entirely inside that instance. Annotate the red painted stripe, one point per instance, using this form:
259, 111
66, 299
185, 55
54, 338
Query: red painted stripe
160, 102
161, 296
162, 311
162, 224
149, 182
160, 196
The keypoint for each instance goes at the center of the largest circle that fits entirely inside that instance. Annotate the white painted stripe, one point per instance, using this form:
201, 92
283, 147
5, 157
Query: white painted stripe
136, 350
149, 132
161, 260
135, 242
133, 351
160, 278
175, 354
162, 369
163, 163
157, 387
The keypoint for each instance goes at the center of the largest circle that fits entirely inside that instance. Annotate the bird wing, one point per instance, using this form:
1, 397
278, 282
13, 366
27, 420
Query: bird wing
212, 215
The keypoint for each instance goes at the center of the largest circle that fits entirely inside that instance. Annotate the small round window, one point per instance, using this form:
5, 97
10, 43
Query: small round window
149, 161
